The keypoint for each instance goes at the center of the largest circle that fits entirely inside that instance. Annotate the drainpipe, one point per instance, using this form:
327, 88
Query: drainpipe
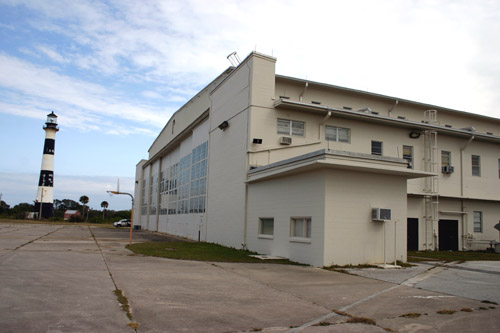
393, 107
328, 115
464, 216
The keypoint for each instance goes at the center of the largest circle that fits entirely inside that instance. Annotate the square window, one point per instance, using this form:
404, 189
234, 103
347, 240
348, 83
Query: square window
300, 227
377, 148
478, 221
266, 226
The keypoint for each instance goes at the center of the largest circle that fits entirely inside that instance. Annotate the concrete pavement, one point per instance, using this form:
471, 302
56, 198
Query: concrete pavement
56, 278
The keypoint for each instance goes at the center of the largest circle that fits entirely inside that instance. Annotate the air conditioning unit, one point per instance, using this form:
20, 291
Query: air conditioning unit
284, 140
381, 214
448, 169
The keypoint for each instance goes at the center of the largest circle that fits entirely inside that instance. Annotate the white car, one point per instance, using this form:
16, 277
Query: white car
122, 223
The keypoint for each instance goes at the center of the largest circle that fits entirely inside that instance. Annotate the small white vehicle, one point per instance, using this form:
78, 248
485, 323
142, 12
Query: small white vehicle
122, 223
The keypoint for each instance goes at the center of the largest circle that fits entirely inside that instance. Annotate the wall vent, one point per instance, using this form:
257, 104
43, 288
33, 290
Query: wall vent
284, 140
381, 214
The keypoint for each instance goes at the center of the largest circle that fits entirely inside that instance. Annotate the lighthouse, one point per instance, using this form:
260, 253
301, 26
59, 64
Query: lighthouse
44, 204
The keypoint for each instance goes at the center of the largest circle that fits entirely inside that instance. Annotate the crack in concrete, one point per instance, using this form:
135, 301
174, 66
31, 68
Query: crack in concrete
122, 300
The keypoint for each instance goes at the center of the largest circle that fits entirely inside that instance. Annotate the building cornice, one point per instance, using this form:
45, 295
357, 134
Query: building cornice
336, 159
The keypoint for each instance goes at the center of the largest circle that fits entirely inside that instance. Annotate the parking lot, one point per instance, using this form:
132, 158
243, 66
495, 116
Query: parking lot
62, 278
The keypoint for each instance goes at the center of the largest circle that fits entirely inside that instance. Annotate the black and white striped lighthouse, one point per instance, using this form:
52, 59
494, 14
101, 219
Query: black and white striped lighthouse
44, 204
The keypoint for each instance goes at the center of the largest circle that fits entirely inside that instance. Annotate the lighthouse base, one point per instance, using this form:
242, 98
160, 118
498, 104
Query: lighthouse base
47, 209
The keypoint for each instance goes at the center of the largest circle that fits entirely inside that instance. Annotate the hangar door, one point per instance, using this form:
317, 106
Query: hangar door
448, 235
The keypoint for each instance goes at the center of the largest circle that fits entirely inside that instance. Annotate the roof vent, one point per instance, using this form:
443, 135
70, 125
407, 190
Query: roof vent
367, 110
470, 129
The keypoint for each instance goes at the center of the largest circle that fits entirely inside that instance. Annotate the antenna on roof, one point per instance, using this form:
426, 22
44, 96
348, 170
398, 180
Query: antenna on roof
234, 59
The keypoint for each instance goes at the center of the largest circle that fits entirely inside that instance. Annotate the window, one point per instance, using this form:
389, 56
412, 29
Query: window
300, 227
408, 155
337, 134
266, 226
377, 148
478, 221
476, 165
445, 158
291, 127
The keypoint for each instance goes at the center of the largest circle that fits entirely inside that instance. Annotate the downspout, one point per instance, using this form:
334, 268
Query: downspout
328, 115
392, 108
247, 164
158, 195
464, 216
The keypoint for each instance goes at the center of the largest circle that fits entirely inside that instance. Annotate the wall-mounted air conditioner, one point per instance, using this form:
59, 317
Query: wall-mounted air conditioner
381, 214
448, 169
284, 140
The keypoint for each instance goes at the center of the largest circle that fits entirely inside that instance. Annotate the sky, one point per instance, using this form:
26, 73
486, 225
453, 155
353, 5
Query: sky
115, 71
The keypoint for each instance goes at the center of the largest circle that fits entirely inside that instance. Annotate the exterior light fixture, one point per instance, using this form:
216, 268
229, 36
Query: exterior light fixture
223, 125
257, 141
414, 135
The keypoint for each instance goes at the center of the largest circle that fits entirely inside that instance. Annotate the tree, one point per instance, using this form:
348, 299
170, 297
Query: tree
84, 200
104, 205
4, 207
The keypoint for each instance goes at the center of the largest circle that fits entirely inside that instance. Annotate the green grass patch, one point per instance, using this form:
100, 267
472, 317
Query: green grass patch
448, 256
200, 252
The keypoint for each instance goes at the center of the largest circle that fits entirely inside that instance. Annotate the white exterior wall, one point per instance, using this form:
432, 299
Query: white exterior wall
227, 165
246, 99
351, 237
300, 195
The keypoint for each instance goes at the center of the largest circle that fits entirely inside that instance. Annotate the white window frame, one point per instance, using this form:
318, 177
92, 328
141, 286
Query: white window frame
261, 228
290, 125
305, 237
381, 148
476, 167
335, 135
478, 221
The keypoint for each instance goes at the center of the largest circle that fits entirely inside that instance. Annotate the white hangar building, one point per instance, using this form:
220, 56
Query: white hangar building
320, 174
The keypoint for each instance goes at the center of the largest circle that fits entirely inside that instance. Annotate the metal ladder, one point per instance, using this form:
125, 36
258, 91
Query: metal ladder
431, 186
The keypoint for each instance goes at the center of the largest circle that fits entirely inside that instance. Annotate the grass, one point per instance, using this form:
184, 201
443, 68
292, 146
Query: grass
123, 302
344, 267
448, 256
200, 252
361, 320
411, 315
449, 312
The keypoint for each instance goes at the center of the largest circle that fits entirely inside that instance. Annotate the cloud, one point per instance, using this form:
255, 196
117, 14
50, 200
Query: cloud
78, 103
425, 51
